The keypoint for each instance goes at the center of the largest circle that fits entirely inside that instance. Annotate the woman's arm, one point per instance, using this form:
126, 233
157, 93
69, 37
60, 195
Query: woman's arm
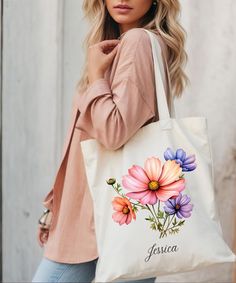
113, 113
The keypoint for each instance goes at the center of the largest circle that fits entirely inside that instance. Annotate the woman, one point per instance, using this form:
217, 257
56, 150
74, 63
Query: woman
115, 97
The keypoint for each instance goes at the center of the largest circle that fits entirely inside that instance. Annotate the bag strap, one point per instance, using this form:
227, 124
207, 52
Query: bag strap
162, 105
172, 105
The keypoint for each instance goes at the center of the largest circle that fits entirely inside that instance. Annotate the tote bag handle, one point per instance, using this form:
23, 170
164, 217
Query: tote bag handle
162, 105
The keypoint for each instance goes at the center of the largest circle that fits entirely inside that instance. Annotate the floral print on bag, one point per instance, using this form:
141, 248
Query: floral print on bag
156, 188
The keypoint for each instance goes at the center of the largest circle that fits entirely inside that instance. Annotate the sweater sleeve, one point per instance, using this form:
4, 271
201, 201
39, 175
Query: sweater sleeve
48, 199
112, 113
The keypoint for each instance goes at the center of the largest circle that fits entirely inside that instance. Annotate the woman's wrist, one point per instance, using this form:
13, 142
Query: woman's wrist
95, 76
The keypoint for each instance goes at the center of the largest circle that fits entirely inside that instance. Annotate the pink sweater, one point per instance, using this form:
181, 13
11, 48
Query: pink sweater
111, 110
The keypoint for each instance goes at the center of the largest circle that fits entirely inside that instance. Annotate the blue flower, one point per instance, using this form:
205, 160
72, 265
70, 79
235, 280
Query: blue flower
180, 206
186, 162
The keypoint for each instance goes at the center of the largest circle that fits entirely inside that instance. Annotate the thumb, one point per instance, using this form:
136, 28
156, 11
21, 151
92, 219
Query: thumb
113, 52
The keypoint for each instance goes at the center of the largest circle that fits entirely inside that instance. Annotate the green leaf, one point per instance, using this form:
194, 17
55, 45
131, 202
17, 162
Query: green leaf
135, 209
149, 218
160, 214
173, 231
153, 226
174, 222
181, 223
159, 226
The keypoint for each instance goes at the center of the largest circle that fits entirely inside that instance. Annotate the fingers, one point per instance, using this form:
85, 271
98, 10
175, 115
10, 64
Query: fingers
39, 238
113, 52
42, 236
107, 45
107, 50
109, 42
103, 53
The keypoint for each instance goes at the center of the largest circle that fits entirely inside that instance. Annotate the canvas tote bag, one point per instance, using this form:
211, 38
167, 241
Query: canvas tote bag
154, 204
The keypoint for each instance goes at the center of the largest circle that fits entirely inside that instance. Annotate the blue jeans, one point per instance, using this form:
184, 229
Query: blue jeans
52, 271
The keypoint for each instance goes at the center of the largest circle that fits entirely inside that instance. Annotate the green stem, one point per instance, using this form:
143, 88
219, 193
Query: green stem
170, 222
168, 217
152, 214
153, 208
171, 228
167, 228
155, 214
136, 204
115, 188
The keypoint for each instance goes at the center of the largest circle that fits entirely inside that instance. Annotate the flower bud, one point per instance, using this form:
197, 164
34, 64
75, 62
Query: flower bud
111, 181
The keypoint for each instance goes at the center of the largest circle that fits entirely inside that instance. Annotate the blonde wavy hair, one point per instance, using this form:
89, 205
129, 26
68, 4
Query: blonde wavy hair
163, 17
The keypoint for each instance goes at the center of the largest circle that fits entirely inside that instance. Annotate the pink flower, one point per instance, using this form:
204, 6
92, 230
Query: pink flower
124, 211
154, 181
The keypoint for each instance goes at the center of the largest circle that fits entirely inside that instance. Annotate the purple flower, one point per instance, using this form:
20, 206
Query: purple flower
180, 206
186, 162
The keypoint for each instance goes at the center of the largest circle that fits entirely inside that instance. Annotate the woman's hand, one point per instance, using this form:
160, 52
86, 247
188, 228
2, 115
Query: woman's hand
42, 235
100, 56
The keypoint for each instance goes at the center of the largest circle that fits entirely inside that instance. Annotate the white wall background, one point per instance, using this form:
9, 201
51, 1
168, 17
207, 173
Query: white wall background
41, 65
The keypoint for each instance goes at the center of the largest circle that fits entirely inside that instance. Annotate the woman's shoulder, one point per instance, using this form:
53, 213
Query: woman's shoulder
134, 43
134, 36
